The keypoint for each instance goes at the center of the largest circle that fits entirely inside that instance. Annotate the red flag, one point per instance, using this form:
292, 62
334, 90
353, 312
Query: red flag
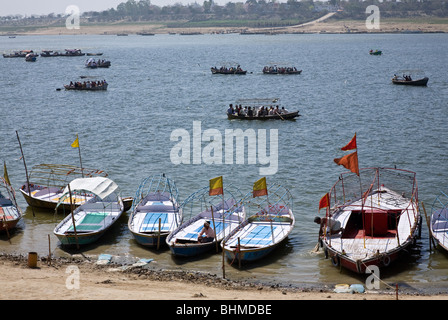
324, 201
349, 161
351, 145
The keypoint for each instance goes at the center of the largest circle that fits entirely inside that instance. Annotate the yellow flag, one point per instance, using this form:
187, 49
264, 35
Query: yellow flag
5, 174
260, 188
216, 186
75, 143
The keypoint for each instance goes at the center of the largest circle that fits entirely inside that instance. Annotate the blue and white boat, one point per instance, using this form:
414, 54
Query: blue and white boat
263, 231
222, 215
156, 211
93, 218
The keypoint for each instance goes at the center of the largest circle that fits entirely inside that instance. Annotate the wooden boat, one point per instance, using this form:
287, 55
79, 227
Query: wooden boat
225, 70
72, 53
94, 54
439, 221
49, 53
10, 213
157, 211
223, 217
47, 182
380, 220
18, 54
80, 87
260, 110
264, 231
420, 82
87, 223
280, 70
375, 53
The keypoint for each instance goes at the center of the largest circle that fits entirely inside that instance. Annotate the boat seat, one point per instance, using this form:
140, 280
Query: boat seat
47, 191
151, 222
260, 236
101, 206
155, 208
5, 202
440, 226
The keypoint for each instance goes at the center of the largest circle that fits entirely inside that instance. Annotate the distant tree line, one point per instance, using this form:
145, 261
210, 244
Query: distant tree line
250, 13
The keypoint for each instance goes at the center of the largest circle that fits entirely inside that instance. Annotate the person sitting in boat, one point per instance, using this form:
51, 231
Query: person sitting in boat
330, 225
230, 110
207, 234
250, 112
284, 111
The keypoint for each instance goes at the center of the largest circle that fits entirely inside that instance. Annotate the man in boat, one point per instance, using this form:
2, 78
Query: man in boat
331, 225
230, 110
207, 231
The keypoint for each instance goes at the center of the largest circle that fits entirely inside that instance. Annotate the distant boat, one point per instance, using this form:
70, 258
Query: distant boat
10, 213
157, 211
122, 34
145, 34
19, 54
439, 221
87, 223
72, 53
91, 63
95, 54
376, 52
226, 70
88, 87
280, 70
30, 57
49, 53
258, 109
401, 81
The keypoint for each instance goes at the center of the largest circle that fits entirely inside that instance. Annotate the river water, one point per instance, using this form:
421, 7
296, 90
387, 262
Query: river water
162, 83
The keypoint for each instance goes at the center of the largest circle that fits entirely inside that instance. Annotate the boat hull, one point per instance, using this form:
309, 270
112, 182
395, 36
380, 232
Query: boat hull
191, 250
420, 82
249, 255
152, 240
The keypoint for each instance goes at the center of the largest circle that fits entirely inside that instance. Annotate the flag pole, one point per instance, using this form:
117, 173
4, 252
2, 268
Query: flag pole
80, 159
26, 171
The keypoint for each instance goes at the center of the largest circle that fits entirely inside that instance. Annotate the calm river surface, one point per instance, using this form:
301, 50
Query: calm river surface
162, 83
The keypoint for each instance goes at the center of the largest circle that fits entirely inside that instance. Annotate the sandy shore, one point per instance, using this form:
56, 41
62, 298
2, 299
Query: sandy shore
317, 26
81, 279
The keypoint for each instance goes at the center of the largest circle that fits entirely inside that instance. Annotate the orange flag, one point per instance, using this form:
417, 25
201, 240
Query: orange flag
324, 201
349, 161
216, 186
351, 145
260, 188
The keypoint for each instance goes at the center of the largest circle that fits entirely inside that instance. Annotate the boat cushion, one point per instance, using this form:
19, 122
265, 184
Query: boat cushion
151, 222
5, 202
260, 236
91, 222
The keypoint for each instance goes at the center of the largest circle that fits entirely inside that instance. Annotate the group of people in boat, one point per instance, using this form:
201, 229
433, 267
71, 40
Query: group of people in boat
275, 69
230, 70
255, 112
405, 77
87, 84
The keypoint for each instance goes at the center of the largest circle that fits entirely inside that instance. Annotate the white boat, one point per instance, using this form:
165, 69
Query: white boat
380, 218
264, 231
439, 221
156, 211
223, 217
93, 218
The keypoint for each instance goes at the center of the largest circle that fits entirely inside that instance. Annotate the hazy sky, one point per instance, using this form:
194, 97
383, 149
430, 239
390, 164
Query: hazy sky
28, 7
